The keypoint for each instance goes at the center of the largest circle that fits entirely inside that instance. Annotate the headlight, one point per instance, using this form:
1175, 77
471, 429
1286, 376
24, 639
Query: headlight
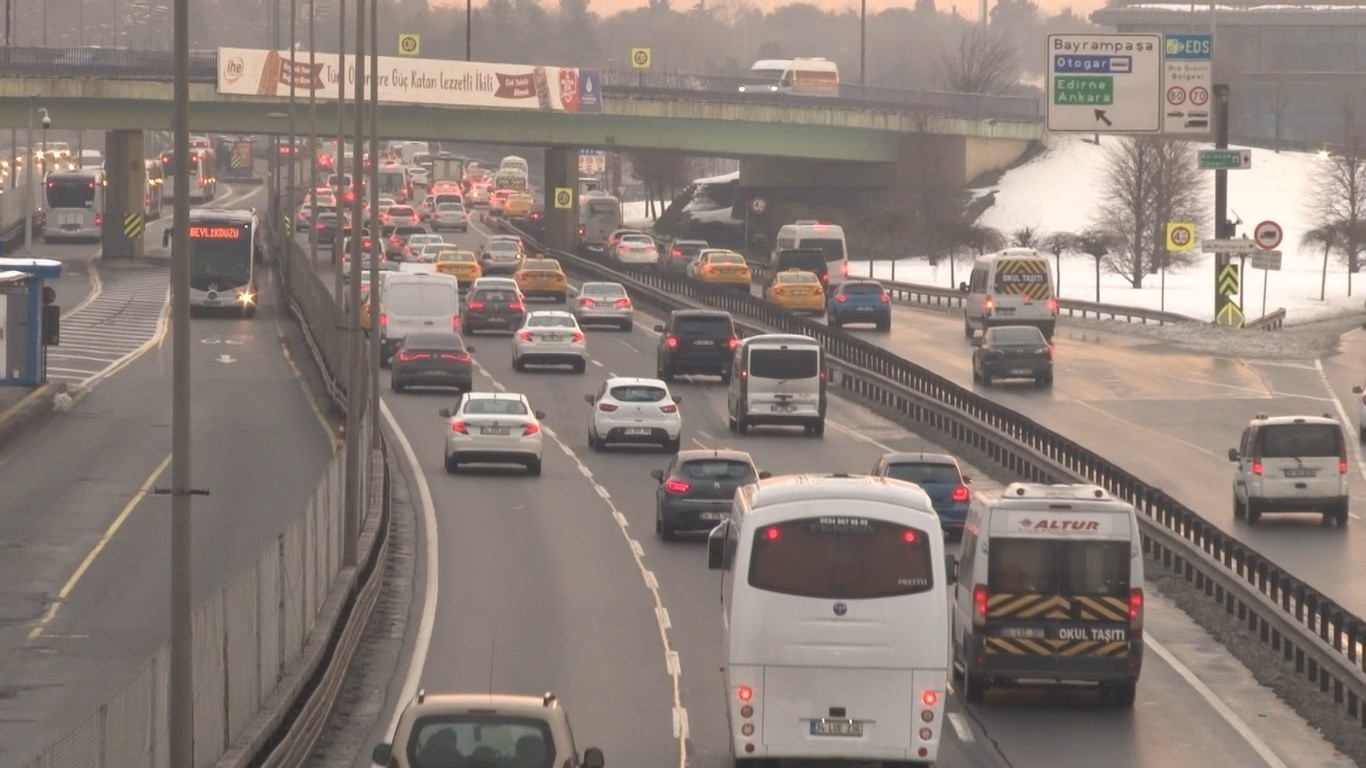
246, 297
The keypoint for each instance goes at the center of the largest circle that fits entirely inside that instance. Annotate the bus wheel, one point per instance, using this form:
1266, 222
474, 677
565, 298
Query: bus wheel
974, 688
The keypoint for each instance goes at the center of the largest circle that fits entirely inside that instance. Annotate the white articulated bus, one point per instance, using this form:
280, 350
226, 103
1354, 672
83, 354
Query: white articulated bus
835, 628
224, 248
75, 205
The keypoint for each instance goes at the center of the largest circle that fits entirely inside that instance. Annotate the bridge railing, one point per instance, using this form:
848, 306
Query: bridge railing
129, 64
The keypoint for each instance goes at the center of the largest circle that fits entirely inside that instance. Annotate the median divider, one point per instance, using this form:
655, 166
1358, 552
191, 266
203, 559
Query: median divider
1321, 641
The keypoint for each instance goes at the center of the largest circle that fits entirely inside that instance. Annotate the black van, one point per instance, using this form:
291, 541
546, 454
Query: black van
806, 259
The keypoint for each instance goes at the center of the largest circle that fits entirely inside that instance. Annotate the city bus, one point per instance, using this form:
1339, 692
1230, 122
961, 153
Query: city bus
834, 629
154, 180
75, 205
224, 248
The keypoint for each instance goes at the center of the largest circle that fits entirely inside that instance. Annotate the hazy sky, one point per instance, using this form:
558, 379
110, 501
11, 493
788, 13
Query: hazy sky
967, 8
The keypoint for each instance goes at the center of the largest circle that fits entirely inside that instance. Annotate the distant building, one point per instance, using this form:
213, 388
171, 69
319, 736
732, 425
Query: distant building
1295, 63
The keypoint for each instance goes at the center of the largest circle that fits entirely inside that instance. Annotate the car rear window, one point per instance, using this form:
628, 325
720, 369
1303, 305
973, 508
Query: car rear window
1283, 441
638, 393
603, 289
495, 406
841, 558
486, 295
550, 321
872, 289
704, 326
543, 264
799, 277
924, 473
433, 341
1019, 335
783, 364
439, 741
726, 258
716, 469
1059, 567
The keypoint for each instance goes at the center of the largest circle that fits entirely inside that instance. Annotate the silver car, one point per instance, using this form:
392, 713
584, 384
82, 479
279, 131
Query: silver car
450, 216
549, 337
606, 303
501, 256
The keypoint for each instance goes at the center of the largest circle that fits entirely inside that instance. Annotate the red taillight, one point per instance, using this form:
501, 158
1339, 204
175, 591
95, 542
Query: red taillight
586, 302
99, 219
745, 693
459, 357
841, 298
960, 493
732, 343
1256, 467
1135, 611
819, 290
455, 326
623, 302
825, 278
675, 252
669, 408
384, 319
531, 429
884, 298
772, 534
677, 486
929, 698
460, 427
517, 305
844, 268
979, 605
1053, 306
672, 341
606, 407
1342, 467
988, 304
909, 537
475, 305
708, 269
321, 226
524, 335
577, 336
405, 357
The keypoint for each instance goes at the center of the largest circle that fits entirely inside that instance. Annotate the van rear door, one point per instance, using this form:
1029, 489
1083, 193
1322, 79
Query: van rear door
783, 379
1301, 460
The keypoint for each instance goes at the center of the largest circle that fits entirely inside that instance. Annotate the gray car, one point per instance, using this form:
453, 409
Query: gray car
432, 359
605, 303
450, 216
1012, 352
696, 489
502, 256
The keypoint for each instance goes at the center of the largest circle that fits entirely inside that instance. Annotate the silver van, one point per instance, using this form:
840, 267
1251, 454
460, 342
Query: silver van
1291, 464
416, 301
777, 378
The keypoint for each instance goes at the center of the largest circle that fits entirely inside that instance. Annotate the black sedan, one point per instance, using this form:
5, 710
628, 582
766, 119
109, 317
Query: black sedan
1013, 352
492, 308
696, 489
432, 359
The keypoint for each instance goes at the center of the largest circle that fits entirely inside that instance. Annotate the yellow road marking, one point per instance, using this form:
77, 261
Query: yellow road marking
108, 536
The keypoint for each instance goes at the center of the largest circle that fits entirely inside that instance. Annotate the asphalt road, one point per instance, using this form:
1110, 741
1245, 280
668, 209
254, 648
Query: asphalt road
550, 584
83, 583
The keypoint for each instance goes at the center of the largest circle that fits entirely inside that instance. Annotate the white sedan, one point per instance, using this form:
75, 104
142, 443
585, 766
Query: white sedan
634, 410
493, 428
636, 248
549, 337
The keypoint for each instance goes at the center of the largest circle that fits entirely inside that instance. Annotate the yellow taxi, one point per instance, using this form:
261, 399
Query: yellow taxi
797, 290
462, 265
518, 205
717, 266
542, 277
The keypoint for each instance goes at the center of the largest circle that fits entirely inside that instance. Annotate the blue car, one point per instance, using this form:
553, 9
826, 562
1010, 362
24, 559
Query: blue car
940, 477
859, 301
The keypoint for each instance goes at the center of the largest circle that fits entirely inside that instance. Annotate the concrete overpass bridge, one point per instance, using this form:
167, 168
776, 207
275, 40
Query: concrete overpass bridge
866, 137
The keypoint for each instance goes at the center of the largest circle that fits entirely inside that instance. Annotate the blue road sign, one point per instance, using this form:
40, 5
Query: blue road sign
1187, 47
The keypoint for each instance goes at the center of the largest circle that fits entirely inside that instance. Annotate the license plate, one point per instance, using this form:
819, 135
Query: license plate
1301, 472
493, 430
836, 728
1019, 371
784, 408
863, 309
1005, 310
638, 432
554, 337
72, 219
801, 294
711, 515
211, 302
702, 342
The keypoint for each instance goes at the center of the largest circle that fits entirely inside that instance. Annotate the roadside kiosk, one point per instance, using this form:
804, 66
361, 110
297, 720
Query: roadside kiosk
29, 320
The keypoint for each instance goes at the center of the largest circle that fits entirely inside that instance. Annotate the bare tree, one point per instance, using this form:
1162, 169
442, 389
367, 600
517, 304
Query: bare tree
1278, 101
1097, 243
1025, 237
982, 62
1329, 238
1339, 202
1150, 181
1179, 194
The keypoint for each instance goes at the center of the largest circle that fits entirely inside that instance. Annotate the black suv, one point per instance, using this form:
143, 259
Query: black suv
696, 341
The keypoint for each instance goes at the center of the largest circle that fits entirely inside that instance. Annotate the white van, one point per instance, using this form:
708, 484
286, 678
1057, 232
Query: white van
808, 233
834, 629
1013, 287
416, 301
1291, 464
1049, 590
801, 77
777, 378
764, 76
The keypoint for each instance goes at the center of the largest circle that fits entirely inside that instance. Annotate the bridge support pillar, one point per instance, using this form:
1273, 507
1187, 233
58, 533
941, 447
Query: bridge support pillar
125, 178
561, 210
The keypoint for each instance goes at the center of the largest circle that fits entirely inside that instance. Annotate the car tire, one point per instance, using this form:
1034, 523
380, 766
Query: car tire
833, 321
664, 374
976, 377
742, 425
974, 687
725, 376
818, 429
533, 467
580, 366
674, 445
1340, 515
561, 298
665, 530
986, 378
1362, 436
595, 442
451, 465
518, 365
1123, 694
1239, 508
628, 325
1254, 513
395, 387
967, 328
884, 325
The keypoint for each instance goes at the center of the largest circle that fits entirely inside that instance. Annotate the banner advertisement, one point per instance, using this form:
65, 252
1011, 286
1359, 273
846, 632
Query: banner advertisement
434, 82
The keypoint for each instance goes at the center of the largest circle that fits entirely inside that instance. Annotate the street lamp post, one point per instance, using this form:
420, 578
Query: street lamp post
374, 352
291, 195
339, 167
355, 406
469, 28
28, 177
312, 137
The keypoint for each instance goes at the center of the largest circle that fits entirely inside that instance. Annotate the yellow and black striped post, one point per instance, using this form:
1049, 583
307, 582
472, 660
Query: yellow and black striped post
133, 225
289, 223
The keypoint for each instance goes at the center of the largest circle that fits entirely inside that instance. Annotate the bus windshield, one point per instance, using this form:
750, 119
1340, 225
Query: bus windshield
841, 558
221, 253
70, 193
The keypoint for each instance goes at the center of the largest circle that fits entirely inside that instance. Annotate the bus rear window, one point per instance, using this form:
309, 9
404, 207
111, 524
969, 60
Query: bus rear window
832, 247
785, 364
70, 193
845, 558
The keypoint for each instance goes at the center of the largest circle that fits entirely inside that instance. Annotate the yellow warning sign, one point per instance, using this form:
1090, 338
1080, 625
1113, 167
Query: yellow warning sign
640, 58
1226, 283
409, 44
1180, 236
1230, 315
132, 225
564, 198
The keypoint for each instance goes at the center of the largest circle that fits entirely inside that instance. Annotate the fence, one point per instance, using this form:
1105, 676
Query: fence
1319, 639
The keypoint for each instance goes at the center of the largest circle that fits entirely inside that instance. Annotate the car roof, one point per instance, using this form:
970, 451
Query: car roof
715, 453
919, 458
1266, 421
495, 396
701, 313
626, 381
453, 703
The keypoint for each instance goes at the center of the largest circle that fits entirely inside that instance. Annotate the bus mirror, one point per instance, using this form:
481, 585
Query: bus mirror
716, 547
950, 568
166, 238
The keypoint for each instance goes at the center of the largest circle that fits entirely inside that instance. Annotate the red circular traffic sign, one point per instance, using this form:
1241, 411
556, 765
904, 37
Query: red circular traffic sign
1199, 95
1176, 95
1268, 235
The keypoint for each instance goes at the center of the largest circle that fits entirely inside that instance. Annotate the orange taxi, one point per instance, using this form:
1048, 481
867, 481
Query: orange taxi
720, 267
797, 290
461, 264
542, 277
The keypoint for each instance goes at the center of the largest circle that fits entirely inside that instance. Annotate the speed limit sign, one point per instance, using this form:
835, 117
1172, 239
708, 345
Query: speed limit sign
1180, 235
758, 205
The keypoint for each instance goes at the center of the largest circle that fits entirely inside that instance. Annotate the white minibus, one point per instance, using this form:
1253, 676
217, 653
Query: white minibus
777, 378
835, 634
828, 238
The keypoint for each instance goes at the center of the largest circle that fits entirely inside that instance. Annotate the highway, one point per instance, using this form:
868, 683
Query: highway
559, 583
83, 584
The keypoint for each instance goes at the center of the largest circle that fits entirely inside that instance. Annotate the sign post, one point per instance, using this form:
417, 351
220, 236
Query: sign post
1180, 237
1187, 83
756, 206
1268, 235
1105, 83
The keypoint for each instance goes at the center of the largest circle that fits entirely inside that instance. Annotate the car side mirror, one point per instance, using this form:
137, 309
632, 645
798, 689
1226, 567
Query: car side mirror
540, 414
659, 329
765, 474
976, 341
588, 399
470, 350
962, 287
444, 413
592, 758
380, 754
677, 399
1233, 454
716, 547
950, 568
657, 474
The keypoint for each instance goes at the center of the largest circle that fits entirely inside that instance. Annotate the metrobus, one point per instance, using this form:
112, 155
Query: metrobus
834, 628
155, 178
224, 248
203, 184
75, 205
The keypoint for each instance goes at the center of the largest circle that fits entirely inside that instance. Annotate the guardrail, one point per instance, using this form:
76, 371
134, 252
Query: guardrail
1320, 639
1271, 321
128, 64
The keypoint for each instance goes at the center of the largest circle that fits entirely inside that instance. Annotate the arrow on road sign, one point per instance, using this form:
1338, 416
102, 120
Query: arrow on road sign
226, 359
1228, 280
1230, 315
1100, 115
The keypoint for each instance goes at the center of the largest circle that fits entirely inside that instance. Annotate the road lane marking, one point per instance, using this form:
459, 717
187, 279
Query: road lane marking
56, 605
1342, 414
1229, 716
961, 727
96, 288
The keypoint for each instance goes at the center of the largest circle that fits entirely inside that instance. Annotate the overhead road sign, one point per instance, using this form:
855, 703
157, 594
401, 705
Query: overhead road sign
1268, 260
1187, 82
1105, 83
1268, 234
1180, 236
1235, 245
1225, 159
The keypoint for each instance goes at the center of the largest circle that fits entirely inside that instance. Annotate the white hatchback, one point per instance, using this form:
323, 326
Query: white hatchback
634, 410
493, 428
549, 337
